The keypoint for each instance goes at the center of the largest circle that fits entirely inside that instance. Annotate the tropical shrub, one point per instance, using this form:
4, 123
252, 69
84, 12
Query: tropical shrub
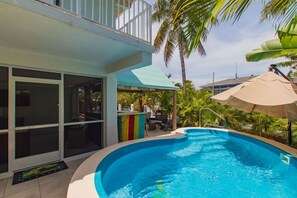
192, 100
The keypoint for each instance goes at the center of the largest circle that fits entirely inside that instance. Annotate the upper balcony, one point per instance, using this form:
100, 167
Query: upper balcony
132, 17
106, 35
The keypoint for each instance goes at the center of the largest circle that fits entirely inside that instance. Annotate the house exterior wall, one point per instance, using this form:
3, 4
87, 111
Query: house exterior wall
94, 52
219, 88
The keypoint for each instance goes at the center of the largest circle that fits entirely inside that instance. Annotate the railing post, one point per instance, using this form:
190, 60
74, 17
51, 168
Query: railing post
142, 21
150, 23
134, 21
147, 21
78, 7
113, 13
92, 10
100, 11
106, 12
118, 14
138, 35
128, 25
85, 8
215, 113
71, 5
124, 15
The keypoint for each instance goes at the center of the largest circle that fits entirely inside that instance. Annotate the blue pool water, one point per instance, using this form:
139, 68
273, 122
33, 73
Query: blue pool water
205, 163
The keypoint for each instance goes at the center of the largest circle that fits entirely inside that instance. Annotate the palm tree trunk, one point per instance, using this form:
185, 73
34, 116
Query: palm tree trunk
182, 62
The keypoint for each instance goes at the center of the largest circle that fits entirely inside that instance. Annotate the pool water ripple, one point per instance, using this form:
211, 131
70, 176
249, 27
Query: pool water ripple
209, 164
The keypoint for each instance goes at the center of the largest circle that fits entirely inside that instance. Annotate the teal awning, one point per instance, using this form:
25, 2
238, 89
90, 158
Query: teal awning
150, 77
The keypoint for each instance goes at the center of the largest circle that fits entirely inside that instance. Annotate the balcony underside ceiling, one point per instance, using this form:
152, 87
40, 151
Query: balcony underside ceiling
35, 33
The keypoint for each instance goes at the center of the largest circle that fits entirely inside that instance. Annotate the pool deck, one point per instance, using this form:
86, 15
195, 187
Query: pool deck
50, 186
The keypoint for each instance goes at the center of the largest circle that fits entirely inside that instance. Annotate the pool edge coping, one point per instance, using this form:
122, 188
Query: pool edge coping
85, 173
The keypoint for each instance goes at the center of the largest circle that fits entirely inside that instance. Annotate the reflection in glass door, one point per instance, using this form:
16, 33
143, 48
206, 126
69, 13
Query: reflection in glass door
36, 123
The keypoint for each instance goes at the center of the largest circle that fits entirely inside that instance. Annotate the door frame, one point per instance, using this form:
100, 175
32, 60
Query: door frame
16, 164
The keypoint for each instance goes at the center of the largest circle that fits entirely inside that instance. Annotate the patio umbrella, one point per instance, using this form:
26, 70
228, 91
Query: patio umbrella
268, 93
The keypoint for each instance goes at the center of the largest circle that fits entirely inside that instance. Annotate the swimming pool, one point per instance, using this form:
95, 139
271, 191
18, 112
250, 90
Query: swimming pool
204, 163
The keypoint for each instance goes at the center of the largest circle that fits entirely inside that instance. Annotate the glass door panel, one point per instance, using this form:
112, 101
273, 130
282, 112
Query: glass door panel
30, 142
82, 114
36, 104
37, 123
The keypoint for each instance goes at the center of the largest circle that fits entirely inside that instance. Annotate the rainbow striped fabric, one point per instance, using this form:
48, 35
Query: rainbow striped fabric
131, 127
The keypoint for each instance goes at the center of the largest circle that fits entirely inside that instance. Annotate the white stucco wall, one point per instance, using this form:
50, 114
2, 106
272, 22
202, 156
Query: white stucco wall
111, 110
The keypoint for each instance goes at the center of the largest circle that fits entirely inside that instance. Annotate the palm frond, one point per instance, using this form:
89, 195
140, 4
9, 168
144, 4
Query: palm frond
161, 35
201, 14
289, 30
283, 14
259, 54
234, 9
262, 55
162, 11
169, 47
197, 19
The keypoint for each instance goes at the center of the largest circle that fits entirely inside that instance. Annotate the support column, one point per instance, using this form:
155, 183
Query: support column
140, 104
110, 118
174, 117
289, 133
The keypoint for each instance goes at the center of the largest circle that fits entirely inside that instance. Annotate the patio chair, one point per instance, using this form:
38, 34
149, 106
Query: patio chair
150, 125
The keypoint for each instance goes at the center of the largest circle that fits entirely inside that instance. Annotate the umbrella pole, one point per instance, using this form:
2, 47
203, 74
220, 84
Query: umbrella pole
289, 133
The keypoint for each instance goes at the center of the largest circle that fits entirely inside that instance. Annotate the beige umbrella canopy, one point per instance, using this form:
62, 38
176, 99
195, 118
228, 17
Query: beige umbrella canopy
269, 94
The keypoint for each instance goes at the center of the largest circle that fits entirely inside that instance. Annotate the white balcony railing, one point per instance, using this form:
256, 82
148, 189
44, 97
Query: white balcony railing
130, 16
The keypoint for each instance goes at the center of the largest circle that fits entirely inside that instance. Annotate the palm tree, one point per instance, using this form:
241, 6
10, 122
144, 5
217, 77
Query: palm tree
283, 12
172, 34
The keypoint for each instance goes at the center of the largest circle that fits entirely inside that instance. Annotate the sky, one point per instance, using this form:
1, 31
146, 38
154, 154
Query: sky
225, 47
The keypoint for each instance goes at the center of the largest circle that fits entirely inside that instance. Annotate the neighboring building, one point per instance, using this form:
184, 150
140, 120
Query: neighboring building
58, 65
223, 85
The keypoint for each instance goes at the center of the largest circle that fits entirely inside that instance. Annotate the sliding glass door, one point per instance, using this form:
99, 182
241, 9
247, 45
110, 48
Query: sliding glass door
36, 137
47, 116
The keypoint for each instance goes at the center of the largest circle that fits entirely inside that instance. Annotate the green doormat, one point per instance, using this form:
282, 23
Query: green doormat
39, 171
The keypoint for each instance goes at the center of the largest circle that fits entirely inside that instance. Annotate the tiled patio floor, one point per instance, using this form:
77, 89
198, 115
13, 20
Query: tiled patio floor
50, 186
54, 185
